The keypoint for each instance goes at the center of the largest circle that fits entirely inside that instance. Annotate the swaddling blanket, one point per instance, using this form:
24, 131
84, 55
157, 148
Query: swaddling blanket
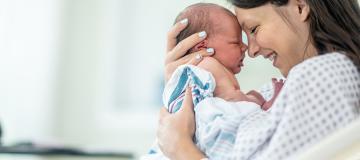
217, 120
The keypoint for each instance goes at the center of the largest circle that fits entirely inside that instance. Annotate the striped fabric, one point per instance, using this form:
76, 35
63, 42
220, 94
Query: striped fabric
201, 82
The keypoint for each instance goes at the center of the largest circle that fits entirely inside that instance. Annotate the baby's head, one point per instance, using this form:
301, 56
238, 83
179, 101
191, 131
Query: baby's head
223, 33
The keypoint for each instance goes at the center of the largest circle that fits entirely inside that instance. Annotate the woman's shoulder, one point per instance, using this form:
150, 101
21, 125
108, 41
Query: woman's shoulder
330, 64
324, 73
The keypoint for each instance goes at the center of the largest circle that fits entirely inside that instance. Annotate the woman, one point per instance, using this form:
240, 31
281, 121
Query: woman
316, 46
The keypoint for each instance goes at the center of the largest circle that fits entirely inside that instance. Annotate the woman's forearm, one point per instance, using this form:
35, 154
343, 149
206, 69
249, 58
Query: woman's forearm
188, 151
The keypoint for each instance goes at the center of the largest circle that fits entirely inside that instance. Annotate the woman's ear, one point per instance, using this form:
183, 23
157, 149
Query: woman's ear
303, 9
202, 45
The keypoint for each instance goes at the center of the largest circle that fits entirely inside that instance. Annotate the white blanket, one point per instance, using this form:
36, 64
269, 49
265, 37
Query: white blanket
216, 119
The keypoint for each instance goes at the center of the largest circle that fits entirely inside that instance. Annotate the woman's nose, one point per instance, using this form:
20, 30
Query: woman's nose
254, 49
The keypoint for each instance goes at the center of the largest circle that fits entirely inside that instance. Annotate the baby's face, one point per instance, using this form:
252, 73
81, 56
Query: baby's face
227, 42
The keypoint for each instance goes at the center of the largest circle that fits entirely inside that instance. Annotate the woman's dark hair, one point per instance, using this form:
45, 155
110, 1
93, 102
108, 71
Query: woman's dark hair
334, 24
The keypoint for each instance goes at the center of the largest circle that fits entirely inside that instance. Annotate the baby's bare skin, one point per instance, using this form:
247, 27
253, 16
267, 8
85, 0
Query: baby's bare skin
227, 86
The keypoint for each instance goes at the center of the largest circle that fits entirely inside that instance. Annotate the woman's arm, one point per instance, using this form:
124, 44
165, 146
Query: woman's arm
176, 132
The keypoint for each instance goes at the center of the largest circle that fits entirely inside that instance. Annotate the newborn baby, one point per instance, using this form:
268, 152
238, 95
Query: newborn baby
218, 100
224, 35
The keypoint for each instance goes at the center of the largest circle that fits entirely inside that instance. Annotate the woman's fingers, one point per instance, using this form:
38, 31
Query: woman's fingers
187, 104
174, 32
193, 58
198, 56
182, 47
186, 112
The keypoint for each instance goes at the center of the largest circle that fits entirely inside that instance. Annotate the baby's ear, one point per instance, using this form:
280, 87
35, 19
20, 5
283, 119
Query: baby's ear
202, 45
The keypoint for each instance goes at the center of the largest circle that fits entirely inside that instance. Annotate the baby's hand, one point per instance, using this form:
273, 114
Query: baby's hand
277, 86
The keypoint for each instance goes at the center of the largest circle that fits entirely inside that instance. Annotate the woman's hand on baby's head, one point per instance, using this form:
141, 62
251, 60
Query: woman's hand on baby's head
192, 58
176, 52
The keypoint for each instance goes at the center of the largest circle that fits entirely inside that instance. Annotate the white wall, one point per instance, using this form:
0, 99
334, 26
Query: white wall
28, 52
111, 69
108, 44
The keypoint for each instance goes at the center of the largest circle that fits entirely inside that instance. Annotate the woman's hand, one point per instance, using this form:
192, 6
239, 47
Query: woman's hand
175, 52
176, 131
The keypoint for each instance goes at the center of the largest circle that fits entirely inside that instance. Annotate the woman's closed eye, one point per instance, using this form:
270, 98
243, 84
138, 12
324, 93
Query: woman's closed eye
253, 30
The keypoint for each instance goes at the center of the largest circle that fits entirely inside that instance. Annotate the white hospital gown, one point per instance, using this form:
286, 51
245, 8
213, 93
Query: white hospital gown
321, 95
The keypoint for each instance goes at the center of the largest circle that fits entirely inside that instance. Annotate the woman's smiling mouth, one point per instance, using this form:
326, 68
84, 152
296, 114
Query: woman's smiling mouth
272, 57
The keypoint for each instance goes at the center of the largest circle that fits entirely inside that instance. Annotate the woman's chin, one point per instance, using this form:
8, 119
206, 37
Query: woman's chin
284, 72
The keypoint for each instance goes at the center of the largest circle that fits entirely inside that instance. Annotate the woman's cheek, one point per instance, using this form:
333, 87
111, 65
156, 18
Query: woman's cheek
261, 39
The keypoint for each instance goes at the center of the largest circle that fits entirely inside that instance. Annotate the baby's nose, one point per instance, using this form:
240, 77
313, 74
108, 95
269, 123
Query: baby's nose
244, 48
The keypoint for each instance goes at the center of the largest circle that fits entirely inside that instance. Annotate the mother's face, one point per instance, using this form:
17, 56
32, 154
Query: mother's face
278, 33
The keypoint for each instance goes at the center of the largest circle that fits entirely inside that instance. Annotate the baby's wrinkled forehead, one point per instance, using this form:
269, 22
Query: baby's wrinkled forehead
211, 14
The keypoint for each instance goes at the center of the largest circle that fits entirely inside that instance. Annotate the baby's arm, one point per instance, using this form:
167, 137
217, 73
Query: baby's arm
226, 86
213, 66
256, 97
